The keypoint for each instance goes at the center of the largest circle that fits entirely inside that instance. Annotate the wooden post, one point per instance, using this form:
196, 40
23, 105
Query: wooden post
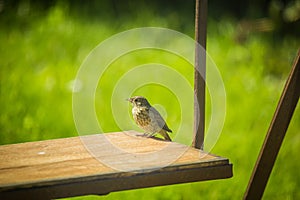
200, 73
275, 135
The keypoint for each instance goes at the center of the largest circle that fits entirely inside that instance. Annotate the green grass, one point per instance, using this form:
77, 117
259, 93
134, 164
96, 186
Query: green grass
40, 60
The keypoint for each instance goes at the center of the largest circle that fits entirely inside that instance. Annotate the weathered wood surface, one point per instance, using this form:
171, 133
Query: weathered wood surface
99, 164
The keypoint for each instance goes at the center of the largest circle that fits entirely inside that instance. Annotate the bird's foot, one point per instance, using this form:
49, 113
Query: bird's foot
147, 135
142, 135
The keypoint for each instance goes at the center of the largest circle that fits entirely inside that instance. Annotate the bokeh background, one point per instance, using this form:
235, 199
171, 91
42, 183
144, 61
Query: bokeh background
42, 45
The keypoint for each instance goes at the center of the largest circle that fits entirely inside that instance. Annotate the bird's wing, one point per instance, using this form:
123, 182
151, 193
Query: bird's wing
154, 115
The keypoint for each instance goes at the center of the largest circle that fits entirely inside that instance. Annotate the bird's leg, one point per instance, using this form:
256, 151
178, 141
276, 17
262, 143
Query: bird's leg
150, 135
147, 135
143, 134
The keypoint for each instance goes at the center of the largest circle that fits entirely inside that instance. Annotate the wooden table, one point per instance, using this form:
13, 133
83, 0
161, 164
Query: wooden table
101, 163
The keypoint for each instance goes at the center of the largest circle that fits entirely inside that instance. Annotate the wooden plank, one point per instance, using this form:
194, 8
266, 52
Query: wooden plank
277, 130
66, 167
200, 73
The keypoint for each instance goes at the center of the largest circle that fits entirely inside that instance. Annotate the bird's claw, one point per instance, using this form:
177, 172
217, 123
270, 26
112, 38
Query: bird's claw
142, 135
147, 135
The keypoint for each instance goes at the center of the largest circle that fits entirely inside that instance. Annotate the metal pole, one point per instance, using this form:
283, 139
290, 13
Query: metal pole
200, 72
275, 135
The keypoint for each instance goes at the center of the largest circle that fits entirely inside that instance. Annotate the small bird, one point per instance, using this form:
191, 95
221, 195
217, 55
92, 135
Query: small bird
148, 118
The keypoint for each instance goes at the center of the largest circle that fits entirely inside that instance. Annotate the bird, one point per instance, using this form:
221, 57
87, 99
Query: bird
148, 118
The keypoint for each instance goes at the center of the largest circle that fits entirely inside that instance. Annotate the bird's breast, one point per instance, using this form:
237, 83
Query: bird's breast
141, 116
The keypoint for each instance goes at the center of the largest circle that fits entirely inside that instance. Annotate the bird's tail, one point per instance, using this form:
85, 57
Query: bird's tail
165, 135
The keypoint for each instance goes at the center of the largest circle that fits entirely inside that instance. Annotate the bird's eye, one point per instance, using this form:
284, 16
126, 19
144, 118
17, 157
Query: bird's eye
135, 100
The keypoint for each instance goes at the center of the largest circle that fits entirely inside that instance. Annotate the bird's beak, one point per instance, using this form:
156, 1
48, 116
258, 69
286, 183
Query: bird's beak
129, 99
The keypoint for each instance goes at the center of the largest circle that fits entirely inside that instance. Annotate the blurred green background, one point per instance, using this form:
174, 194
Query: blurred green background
253, 43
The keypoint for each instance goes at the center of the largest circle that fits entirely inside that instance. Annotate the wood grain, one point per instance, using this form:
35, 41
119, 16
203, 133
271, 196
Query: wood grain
112, 162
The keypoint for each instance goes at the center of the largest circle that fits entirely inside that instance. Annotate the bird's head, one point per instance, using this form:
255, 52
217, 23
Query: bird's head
139, 101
